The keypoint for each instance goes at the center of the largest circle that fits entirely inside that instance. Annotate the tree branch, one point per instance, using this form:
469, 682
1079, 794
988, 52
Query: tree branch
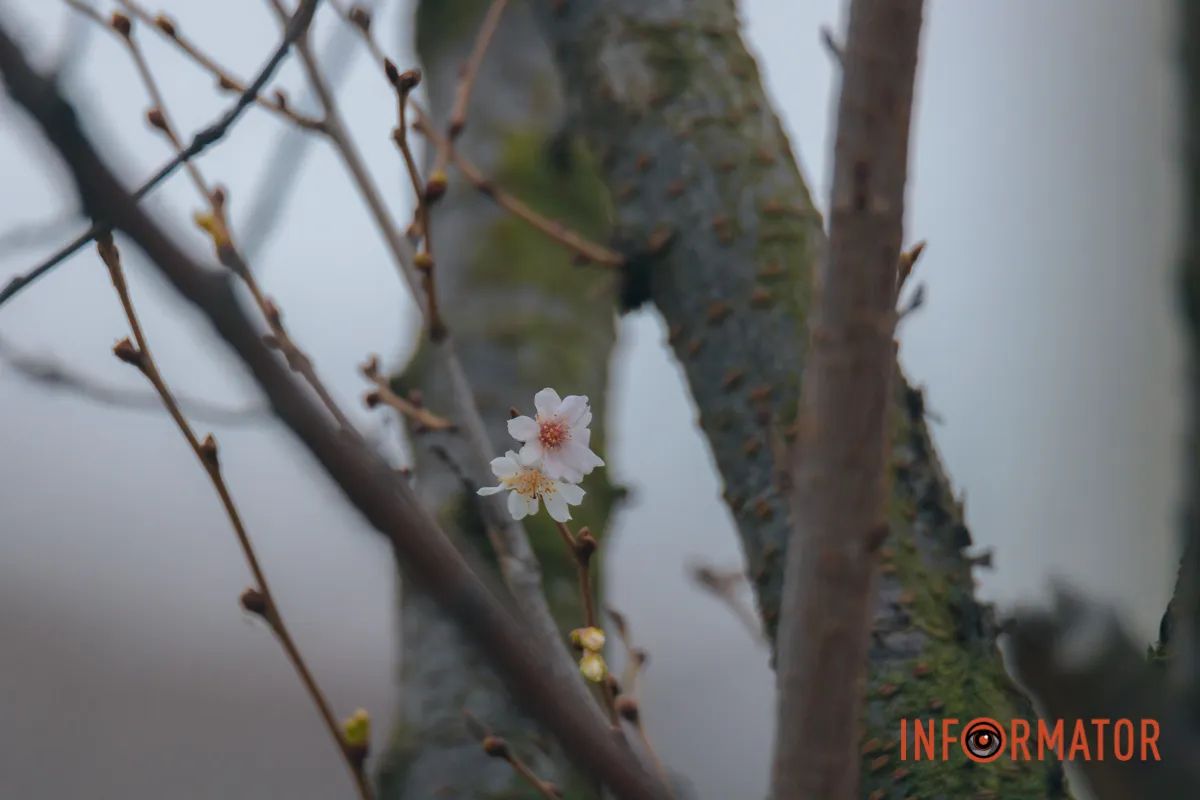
294, 30
368, 483
839, 464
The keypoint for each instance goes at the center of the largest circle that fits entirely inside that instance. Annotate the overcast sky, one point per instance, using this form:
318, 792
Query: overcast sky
1043, 178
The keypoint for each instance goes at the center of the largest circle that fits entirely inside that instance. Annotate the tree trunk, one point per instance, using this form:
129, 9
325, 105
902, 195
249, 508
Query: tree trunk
694, 157
523, 318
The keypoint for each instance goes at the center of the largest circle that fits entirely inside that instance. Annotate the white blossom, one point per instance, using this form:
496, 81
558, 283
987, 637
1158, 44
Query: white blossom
559, 436
528, 483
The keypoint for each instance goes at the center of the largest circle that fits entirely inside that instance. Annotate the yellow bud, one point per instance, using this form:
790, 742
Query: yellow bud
357, 728
214, 227
588, 639
593, 667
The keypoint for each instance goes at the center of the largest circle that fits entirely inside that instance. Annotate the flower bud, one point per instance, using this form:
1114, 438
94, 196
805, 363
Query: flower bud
254, 601
495, 747
156, 119
121, 24
360, 17
166, 25
593, 667
588, 639
627, 707
127, 352
356, 728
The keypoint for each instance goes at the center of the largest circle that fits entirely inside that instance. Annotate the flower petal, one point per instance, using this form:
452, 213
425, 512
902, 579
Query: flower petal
522, 428
556, 506
557, 466
504, 466
570, 492
531, 504
573, 407
579, 457
517, 506
531, 454
489, 490
547, 402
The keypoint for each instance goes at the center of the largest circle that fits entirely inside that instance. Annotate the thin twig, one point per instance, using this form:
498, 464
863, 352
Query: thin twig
497, 747
263, 603
724, 586
581, 549
466, 83
421, 416
404, 83
205, 138
169, 29
525, 663
48, 373
555, 230
218, 222
518, 564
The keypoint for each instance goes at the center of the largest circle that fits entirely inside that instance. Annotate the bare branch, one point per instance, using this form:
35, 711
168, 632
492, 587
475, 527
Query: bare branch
840, 457
297, 25
523, 661
258, 600
48, 373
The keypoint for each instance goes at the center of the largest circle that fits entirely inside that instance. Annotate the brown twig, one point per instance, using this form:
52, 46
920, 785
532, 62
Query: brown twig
279, 338
581, 549
466, 83
497, 747
218, 222
555, 230
839, 464
523, 662
404, 83
518, 563
421, 416
46, 372
260, 599
169, 29
296, 26
724, 586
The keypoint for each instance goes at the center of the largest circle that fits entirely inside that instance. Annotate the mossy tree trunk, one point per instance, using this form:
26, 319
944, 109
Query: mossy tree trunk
672, 103
523, 317
723, 236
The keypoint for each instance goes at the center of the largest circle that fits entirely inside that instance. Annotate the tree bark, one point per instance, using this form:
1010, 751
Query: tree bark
839, 464
523, 318
724, 238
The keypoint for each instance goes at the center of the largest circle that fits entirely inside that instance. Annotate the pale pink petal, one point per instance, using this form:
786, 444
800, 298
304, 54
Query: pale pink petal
504, 466
584, 420
531, 505
556, 506
517, 506
580, 458
531, 453
522, 428
573, 407
489, 490
571, 493
556, 465
547, 402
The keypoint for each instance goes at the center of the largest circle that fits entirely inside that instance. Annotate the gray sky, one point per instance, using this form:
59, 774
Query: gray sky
1042, 178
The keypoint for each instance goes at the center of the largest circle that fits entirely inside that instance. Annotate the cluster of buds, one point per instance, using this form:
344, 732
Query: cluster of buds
590, 641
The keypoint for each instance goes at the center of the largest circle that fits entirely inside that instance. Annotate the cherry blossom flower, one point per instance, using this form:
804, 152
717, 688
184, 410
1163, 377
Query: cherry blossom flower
559, 436
528, 483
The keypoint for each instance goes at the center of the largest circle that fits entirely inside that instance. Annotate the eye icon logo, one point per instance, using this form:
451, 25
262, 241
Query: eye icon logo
983, 740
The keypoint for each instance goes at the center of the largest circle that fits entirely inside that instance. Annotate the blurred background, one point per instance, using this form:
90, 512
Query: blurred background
1043, 177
